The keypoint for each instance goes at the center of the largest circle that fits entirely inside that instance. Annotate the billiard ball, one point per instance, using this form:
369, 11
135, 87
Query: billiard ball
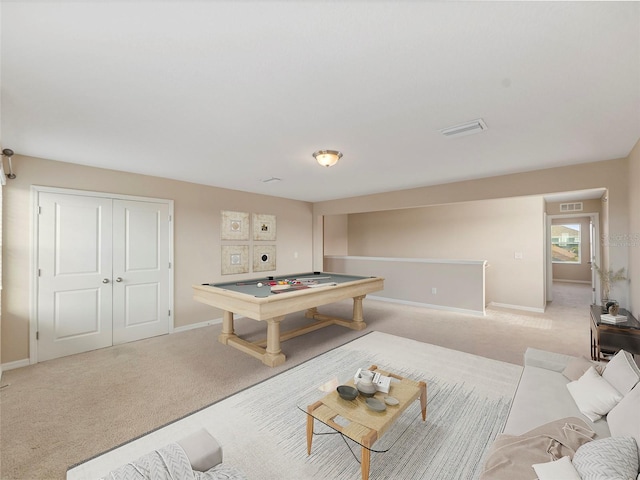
259, 284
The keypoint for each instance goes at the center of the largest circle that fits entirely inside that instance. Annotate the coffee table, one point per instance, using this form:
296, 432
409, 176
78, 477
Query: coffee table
355, 420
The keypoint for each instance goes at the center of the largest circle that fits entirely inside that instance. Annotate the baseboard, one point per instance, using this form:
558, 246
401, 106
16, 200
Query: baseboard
428, 305
562, 280
17, 364
517, 307
25, 362
207, 323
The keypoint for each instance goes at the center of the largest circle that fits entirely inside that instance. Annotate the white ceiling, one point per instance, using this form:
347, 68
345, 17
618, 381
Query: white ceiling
231, 93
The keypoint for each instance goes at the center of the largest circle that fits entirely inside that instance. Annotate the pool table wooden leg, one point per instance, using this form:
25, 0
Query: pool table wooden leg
273, 355
358, 317
227, 328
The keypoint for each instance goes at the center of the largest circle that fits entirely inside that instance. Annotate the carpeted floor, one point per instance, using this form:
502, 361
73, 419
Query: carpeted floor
58, 413
263, 429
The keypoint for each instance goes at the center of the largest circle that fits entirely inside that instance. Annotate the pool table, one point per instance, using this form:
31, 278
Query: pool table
278, 296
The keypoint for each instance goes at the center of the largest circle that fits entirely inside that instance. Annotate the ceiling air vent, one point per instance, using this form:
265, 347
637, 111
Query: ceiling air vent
272, 179
469, 128
571, 207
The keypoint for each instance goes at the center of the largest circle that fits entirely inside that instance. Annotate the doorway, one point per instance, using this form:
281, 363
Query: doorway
571, 252
102, 271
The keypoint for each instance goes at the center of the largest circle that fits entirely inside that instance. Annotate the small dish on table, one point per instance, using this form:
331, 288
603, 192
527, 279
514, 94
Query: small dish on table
392, 401
375, 404
346, 392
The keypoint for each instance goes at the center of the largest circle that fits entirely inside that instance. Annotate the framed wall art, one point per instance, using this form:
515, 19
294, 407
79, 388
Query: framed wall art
264, 227
264, 258
234, 225
235, 259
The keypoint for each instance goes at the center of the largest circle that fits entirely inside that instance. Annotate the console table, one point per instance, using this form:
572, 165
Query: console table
613, 337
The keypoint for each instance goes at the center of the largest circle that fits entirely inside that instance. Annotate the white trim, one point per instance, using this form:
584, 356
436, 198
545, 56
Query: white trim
571, 281
89, 193
33, 261
517, 307
418, 260
192, 326
33, 278
16, 364
428, 305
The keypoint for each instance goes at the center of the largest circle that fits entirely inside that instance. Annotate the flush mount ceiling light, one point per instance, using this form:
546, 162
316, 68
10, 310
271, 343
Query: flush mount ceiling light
469, 128
327, 158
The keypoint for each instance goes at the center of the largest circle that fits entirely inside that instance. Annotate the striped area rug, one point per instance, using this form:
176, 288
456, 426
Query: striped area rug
262, 429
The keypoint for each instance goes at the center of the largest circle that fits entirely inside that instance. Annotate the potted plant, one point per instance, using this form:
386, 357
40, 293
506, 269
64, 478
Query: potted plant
607, 279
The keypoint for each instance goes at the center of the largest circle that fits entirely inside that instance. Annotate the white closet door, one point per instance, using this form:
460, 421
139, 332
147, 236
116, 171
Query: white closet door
74, 260
141, 273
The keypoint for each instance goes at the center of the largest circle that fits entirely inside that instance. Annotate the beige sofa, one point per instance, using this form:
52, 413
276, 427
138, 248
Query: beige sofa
570, 407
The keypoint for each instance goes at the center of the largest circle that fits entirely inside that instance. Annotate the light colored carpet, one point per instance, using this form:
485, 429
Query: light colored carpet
61, 412
263, 431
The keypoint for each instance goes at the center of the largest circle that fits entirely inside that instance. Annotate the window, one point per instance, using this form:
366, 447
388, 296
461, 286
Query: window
565, 243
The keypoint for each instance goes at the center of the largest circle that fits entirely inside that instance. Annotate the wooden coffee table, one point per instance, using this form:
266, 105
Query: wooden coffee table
364, 425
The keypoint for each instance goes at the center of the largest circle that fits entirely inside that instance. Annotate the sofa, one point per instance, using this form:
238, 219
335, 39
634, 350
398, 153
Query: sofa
197, 456
571, 418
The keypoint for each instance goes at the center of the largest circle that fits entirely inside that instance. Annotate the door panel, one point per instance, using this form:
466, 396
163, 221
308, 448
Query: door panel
77, 313
141, 304
141, 270
74, 259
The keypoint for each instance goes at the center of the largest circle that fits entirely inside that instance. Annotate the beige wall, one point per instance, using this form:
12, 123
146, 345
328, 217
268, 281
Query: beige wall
578, 272
336, 243
634, 230
492, 230
451, 285
196, 236
611, 174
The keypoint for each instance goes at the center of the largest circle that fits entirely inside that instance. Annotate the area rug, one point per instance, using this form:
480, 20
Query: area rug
262, 430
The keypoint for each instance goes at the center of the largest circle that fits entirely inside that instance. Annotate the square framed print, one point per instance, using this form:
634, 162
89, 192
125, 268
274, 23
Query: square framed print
264, 258
264, 227
234, 225
235, 259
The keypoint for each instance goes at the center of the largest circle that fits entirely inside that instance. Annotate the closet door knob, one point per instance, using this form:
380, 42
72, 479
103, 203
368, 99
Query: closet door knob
105, 280
119, 279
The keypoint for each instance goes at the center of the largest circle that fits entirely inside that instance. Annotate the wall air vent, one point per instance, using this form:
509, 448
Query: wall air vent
469, 128
571, 207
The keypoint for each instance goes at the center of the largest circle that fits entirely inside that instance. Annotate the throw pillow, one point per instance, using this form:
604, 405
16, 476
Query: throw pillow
576, 366
612, 457
557, 469
624, 418
622, 372
593, 395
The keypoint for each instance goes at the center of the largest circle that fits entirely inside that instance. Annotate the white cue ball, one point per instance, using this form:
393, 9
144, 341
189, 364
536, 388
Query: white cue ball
259, 284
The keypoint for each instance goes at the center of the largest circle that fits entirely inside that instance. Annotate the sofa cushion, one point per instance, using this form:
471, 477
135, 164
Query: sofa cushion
576, 366
203, 451
622, 372
593, 395
613, 457
542, 397
562, 468
547, 360
624, 418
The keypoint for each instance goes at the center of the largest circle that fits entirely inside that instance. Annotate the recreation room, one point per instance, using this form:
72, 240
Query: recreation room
319, 240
